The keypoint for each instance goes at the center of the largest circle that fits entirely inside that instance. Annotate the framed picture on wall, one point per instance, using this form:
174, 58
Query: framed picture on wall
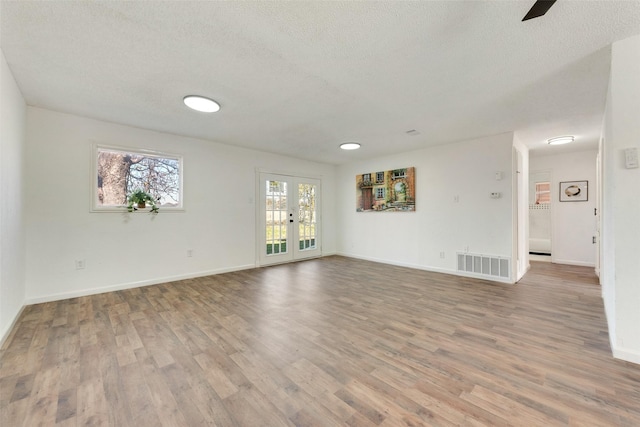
574, 191
386, 191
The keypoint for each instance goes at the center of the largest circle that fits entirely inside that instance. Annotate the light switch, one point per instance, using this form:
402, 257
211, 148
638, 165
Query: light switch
631, 158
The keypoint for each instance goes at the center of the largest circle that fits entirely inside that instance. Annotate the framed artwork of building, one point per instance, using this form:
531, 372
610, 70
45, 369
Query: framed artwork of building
386, 191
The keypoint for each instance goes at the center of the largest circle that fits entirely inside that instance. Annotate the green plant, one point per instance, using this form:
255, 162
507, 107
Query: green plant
139, 198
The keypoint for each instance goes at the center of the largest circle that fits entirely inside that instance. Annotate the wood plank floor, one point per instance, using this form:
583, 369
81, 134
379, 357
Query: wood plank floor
327, 342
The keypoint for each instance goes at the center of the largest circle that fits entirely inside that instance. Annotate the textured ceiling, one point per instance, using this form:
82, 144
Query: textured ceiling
298, 78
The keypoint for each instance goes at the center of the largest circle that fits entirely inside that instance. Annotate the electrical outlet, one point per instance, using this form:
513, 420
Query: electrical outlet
80, 264
189, 253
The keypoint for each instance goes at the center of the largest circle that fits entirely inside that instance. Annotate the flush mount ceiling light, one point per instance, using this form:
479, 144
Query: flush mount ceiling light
202, 104
560, 140
350, 146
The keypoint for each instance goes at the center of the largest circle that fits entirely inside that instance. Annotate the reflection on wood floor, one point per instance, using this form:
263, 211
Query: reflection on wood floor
325, 342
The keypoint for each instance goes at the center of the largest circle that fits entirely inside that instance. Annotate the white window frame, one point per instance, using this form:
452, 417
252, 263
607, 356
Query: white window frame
95, 205
541, 192
384, 193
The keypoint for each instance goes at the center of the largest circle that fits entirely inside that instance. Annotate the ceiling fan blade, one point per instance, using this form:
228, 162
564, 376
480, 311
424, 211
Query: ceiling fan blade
539, 8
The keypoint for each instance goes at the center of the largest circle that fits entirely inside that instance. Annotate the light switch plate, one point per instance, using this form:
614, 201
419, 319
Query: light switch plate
631, 158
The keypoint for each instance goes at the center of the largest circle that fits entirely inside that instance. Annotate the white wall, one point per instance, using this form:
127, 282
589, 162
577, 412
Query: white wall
620, 266
12, 255
573, 224
123, 250
465, 169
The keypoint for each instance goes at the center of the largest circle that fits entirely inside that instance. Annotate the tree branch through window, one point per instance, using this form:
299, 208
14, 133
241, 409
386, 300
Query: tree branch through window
122, 172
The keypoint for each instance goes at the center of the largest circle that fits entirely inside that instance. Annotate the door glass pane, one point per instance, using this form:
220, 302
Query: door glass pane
307, 216
276, 211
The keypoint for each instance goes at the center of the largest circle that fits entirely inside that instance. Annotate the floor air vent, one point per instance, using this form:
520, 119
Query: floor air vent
484, 265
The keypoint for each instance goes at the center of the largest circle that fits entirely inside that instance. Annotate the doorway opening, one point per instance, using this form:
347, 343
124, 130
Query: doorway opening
540, 216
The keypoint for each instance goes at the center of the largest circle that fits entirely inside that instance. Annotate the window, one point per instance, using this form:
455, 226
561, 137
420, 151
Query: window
276, 187
380, 193
543, 193
398, 173
366, 177
118, 172
379, 177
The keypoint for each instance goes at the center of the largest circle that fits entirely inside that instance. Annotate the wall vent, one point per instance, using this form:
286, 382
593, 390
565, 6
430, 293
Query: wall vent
484, 265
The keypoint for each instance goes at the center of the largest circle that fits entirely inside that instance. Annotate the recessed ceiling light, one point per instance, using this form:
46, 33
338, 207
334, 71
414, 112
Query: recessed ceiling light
200, 103
560, 140
350, 146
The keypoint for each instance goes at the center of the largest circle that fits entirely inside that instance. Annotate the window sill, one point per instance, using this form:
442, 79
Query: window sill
123, 209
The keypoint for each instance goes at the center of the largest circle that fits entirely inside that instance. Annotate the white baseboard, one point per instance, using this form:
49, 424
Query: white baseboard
119, 287
425, 268
574, 262
396, 263
626, 355
6, 333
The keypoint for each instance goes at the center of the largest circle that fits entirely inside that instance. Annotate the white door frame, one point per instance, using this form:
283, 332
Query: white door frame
293, 253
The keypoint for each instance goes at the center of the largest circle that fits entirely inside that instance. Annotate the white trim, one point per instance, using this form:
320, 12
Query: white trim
130, 285
424, 268
294, 254
94, 291
519, 212
626, 354
6, 334
573, 262
139, 284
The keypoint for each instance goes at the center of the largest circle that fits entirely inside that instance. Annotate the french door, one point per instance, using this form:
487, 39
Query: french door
289, 218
